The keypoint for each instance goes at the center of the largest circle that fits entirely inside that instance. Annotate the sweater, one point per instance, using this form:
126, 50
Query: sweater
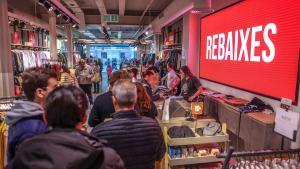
137, 139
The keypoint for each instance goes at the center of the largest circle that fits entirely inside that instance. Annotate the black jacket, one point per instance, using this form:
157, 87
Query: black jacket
103, 108
137, 139
65, 149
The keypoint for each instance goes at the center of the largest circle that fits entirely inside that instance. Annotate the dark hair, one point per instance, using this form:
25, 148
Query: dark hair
148, 73
34, 78
95, 61
120, 74
186, 71
65, 69
170, 65
143, 99
134, 71
65, 107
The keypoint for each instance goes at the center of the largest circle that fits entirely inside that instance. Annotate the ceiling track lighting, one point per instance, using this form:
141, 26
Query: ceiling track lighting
50, 9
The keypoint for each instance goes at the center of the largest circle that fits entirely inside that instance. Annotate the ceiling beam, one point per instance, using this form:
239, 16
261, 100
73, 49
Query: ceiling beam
72, 4
123, 20
122, 7
101, 7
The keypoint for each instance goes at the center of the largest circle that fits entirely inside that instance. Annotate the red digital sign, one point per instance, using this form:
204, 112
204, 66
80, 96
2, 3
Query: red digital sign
253, 45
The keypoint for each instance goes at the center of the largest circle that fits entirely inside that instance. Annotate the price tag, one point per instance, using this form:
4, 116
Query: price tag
286, 123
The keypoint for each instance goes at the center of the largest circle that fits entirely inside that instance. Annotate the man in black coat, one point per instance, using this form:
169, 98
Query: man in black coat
103, 106
137, 139
65, 146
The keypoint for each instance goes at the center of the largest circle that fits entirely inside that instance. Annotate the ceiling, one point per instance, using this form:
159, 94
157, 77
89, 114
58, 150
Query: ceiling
133, 14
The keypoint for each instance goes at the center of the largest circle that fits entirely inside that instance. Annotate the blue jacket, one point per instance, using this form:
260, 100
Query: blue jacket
137, 139
25, 121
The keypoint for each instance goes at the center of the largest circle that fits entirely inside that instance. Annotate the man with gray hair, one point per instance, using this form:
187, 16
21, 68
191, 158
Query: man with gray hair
137, 139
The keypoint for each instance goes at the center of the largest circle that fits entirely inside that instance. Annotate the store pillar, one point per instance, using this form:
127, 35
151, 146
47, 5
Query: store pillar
70, 45
6, 67
191, 42
52, 31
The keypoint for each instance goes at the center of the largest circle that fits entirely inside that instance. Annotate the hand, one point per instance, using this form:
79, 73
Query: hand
191, 98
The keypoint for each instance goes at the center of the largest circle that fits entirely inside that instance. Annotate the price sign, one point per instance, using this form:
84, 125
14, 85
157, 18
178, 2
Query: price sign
286, 123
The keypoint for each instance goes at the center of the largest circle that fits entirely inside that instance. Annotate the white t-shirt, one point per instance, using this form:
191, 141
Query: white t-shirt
171, 77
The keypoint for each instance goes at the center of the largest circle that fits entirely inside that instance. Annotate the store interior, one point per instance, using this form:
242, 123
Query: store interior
245, 54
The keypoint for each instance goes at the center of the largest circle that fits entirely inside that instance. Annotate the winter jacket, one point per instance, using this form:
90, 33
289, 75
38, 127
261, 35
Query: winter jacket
137, 139
65, 149
103, 108
25, 120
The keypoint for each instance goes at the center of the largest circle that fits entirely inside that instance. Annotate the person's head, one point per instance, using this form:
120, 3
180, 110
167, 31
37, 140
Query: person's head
149, 63
65, 69
148, 75
82, 63
134, 72
157, 58
37, 83
117, 75
143, 99
170, 66
185, 72
66, 107
124, 95
95, 62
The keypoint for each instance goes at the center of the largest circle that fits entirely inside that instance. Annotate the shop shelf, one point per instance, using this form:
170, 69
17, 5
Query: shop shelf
193, 160
197, 140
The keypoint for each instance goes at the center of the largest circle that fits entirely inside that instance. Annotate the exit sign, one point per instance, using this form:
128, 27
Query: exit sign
111, 18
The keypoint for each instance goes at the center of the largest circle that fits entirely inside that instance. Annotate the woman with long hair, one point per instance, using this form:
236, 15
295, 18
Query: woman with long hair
190, 85
145, 104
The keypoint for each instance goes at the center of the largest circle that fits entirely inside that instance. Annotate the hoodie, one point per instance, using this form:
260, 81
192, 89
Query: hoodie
25, 120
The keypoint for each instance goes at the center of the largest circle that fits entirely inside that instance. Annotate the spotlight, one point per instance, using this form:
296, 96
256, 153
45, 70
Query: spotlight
50, 9
74, 25
57, 13
146, 33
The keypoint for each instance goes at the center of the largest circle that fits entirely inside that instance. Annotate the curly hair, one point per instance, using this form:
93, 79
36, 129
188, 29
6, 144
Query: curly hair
143, 100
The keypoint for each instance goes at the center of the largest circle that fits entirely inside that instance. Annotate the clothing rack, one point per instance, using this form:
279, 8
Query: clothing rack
230, 154
24, 47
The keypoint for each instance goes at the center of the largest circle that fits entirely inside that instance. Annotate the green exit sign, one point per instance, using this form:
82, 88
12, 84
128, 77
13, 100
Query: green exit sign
111, 18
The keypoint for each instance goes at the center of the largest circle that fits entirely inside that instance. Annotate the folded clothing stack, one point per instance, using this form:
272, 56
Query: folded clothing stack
193, 151
180, 132
256, 105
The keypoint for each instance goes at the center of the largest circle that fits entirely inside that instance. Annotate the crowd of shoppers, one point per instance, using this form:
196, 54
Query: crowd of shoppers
47, 127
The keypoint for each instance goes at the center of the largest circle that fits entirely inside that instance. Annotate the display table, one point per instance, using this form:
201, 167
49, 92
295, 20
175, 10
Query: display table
255, 130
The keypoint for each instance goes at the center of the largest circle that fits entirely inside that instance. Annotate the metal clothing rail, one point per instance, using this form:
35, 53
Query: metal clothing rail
260, 153
12, 97
230, 154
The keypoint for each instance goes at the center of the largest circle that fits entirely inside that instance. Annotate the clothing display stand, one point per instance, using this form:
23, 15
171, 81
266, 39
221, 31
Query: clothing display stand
169, 162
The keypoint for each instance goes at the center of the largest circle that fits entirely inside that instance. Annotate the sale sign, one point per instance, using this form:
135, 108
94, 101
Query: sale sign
253, 45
